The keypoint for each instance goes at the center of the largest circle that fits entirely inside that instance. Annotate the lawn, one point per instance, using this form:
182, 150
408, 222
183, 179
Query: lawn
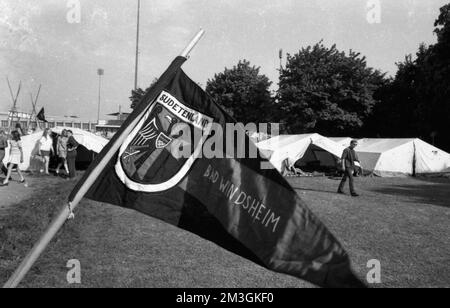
404, 223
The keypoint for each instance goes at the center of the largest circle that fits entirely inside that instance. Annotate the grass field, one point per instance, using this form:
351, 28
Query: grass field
404, 223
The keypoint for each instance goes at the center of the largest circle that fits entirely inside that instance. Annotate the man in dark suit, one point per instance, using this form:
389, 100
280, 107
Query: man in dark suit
72, 146
348, 166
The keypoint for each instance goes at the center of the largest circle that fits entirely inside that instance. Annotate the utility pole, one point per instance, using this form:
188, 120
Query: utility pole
137, 46
281, 59
100, 73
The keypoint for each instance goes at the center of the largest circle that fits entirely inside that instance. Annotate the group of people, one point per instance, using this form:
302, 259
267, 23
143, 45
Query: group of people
66, 151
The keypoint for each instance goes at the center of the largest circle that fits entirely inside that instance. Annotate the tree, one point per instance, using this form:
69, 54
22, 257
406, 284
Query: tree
138, 94
437, 88
326, 91
243, 92
416, 103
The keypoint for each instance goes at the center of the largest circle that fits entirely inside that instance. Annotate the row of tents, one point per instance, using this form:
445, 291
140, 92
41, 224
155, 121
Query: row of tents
381, 157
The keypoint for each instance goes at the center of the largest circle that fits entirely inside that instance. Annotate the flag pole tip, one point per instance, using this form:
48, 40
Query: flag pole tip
192, 44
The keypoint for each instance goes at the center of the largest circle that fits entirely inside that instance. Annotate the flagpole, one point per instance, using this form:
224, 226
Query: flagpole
185, 53
35, 102
66, 211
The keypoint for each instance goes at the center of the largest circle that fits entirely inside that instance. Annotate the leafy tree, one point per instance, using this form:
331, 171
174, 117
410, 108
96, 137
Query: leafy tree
327, 91
136, 95
416, 103
395, 114
244, 92
435, 93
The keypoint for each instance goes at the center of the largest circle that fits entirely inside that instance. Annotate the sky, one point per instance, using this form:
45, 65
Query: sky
44, 42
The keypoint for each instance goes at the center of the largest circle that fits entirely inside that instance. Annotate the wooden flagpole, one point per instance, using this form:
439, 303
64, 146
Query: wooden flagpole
66, 211
185, 53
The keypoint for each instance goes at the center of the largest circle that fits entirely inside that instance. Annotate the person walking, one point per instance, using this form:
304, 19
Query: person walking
15, 157
348, 166
61, 151
46, 148
72, 146
3, 147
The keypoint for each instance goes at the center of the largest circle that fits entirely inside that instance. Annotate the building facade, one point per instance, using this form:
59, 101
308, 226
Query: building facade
107, 128
63, 121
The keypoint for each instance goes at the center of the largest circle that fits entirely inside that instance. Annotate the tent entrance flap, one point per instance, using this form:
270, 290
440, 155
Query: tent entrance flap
317, 159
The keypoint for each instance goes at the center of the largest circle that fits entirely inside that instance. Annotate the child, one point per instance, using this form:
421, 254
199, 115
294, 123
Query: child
15, 157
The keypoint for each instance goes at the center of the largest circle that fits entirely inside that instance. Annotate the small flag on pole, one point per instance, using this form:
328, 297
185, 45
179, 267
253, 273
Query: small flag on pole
41, 115
252, 212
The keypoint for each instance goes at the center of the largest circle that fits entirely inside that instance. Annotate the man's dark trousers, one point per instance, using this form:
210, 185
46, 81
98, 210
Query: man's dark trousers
348, 173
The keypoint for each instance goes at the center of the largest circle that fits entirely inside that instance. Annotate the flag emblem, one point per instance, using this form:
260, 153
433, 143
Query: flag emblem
150, 160
162, 141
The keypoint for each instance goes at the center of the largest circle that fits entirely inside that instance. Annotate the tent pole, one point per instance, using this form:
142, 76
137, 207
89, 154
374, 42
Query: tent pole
414, 160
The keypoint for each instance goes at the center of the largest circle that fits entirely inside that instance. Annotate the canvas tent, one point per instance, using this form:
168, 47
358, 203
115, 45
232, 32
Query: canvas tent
343, 141
30, 146
256, 137
89, 140
301, 150
401, 157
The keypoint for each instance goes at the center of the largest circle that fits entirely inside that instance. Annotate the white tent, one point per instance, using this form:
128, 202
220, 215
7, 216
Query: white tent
30, 146
343, 141
301, 149
89, 140
400, 157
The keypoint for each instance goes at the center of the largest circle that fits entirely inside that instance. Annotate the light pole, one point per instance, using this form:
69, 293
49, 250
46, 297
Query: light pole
280, 55
137, 46
100, 73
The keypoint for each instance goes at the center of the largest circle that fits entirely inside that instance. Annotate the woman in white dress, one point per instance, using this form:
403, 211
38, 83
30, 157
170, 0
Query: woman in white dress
15, 157
46, 148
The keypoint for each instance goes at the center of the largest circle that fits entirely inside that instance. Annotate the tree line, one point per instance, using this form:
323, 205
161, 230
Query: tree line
327, 91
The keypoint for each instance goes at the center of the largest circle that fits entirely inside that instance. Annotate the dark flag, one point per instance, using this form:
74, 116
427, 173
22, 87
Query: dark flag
41, 115
233, 202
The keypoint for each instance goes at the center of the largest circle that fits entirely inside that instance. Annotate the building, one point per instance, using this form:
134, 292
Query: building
108, 128
63, 121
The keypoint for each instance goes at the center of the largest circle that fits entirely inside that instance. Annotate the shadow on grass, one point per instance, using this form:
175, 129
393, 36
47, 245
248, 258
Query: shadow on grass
435, 192
298, 188
332, 191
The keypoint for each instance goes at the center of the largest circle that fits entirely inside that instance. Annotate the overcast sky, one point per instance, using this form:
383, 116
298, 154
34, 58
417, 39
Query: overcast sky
39, 45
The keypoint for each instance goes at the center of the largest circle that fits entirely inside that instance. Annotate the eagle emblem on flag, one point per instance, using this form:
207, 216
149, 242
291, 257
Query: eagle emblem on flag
149, 159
